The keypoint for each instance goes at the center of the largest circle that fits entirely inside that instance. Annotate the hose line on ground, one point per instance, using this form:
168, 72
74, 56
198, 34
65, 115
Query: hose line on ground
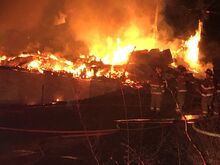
207, 133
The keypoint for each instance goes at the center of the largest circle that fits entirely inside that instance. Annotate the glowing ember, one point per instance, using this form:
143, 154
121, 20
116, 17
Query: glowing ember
133, 84
2, 58
173, 64
35, 65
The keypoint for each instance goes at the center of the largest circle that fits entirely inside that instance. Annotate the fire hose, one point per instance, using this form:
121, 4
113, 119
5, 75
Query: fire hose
69, 133
204, 132
186, 128
217, 135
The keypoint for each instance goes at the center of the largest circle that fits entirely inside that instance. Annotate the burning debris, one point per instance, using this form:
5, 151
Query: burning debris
87, 67
118, 60
87, 64
191, 53
133, 68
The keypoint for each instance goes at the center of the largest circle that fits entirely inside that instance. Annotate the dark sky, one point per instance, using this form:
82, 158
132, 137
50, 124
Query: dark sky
30, 23
184, 20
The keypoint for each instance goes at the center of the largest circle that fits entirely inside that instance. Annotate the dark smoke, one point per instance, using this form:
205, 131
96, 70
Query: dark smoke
19, 21
29, 25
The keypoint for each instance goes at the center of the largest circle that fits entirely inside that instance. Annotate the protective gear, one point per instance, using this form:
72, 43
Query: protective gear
207, 92
181, 90
157, 89
218, 88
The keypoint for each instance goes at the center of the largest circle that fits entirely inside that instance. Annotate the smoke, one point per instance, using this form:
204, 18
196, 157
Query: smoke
21, 14
96, 20
106, 17
18, 19
25, 24
74, 27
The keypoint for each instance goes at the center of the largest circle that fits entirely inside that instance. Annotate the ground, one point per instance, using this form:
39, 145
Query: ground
106, 138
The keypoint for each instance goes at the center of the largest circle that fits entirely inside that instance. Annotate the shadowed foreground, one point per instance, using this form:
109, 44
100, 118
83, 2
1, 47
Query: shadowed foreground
86, 132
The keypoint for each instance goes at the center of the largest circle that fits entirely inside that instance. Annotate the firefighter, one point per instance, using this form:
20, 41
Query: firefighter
207, 92
181, 88
157, 89
217, 98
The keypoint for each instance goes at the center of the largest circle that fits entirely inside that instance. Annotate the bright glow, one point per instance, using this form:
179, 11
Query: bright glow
2, 58
116, 51
174, 65
192, 52
57, 68
35, 65
112, 50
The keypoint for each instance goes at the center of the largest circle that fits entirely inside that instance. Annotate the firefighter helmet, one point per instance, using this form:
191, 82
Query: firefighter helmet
209, 72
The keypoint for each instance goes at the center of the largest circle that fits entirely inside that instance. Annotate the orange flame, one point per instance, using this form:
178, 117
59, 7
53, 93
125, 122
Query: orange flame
112, 50
192, 52
35, 65
115, 51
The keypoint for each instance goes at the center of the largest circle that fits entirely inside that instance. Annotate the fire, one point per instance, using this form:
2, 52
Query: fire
2, 58
173, 64
115, 51
133, 84
112, 51
192, 52
187, 53
120, 56
87, 66
35, 65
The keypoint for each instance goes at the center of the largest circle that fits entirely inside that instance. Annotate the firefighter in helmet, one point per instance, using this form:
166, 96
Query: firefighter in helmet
181, 87
207, 92
157, 89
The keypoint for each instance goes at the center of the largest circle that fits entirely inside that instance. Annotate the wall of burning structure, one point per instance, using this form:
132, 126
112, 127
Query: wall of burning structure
34, 79
22, 87
71, 29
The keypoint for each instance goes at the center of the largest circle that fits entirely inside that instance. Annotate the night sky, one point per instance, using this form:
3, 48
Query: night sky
185, 20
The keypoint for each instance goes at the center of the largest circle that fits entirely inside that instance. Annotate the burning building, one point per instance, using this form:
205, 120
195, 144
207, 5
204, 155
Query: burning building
88, 63
117, 46
39, 78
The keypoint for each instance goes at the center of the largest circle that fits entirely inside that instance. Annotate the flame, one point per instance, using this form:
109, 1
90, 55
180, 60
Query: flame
133, 84
2, 58
192, 52
115, 51
173, 64
35, 65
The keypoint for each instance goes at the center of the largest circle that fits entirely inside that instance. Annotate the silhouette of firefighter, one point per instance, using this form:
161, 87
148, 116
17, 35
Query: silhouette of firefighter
157, 89
181, 87
217, 98
207, 92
